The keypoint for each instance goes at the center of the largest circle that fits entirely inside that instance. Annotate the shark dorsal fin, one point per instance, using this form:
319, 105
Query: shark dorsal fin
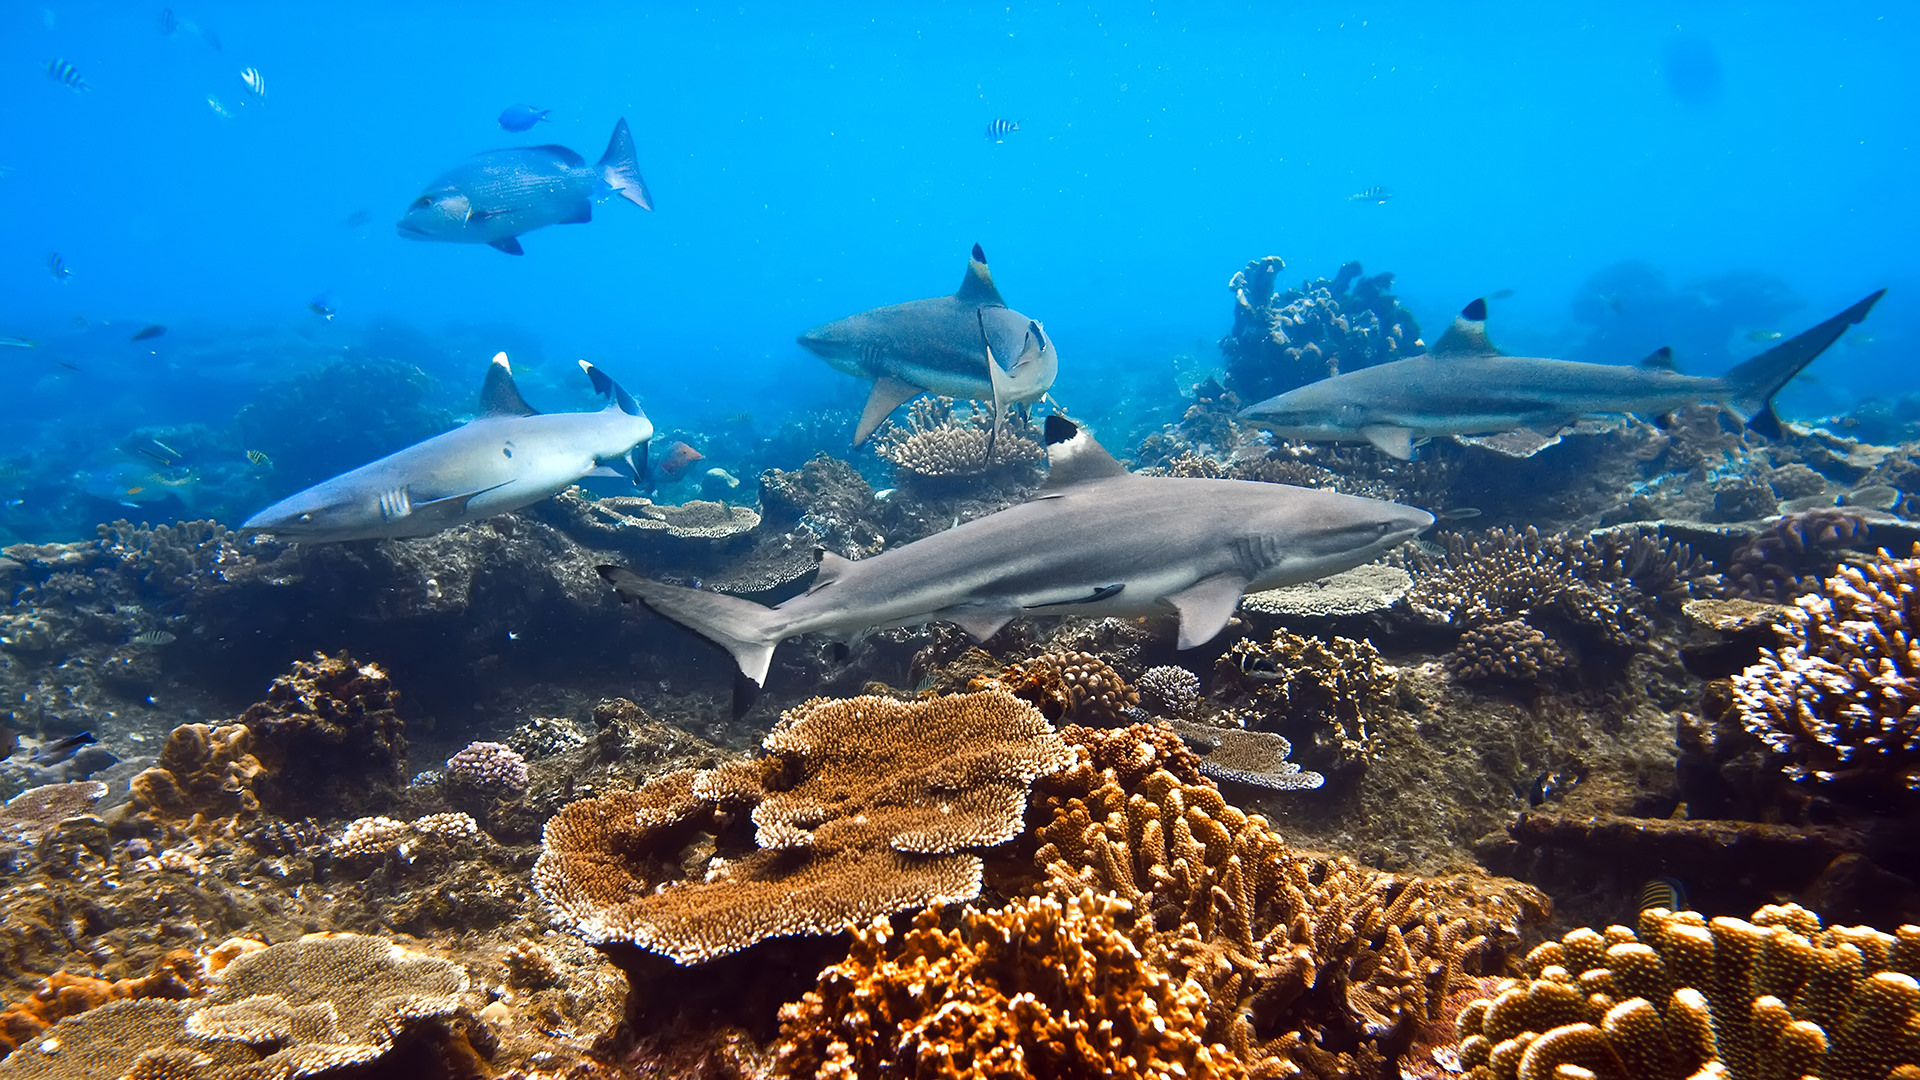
499, 396
1074, 458
1468, 334
977, 286
1660, 359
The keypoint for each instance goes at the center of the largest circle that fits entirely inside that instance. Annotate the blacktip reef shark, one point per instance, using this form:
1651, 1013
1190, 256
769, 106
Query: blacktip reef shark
507, 457
1095, 540
944, 345
1464, 386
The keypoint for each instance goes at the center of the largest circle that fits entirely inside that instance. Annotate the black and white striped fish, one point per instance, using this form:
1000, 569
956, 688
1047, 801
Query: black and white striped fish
57, 266
998, 130
66, 75
256, 82
1372, 195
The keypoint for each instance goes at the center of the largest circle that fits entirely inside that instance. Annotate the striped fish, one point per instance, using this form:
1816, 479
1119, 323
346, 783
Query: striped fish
259, 458
154, 638
256, 82
1372, 195
66, 75
998, 130
1663, 892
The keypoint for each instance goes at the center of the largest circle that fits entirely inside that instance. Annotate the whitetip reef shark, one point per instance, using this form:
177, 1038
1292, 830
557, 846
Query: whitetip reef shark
1464, 386
1096, 540
507, 457
943, 345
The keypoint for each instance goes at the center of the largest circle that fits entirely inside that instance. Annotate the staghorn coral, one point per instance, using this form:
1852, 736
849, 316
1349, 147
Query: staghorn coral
489, 768
1795, 553
1076, 686
1169, 689
937, 444
1840, 702
38, 810
1283, 339
1308, 964
1328, 692
328, 736
866, 806
1508, 652
1045, 986
1777, 996
204, 778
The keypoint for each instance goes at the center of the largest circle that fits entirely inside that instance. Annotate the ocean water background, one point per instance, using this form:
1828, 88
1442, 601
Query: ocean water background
808, 161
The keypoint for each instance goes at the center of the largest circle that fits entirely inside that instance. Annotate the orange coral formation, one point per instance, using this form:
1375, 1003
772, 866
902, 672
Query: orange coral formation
177, 975
1043, 987
1068, 685
204, 774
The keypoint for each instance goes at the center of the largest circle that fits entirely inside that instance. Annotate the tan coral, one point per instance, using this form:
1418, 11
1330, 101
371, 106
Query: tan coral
1075, 686
937, 444
1330, 691
871, 806
205, 776
1774, 996
39, 810
1045, 986
177, 975
1508, 652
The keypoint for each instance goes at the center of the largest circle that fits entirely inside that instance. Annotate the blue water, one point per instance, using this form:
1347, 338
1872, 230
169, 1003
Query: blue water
808, 161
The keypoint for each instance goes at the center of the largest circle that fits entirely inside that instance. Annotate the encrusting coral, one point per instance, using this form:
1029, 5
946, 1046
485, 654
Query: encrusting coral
204, 778
1329, 693
1840, 703
866, 806
1777, 996
1077, 686
328, 735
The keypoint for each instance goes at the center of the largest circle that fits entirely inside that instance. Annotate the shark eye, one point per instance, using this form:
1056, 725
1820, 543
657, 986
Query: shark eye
423, 202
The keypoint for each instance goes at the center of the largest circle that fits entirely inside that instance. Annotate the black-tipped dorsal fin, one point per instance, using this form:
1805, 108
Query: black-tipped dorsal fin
1468, 334
977, 286
1660, 359
1074, 458
499, 396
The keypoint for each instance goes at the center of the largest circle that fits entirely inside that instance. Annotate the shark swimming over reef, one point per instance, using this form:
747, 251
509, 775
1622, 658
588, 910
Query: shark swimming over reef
507, 457
1464, 386
944, 345
1095, 540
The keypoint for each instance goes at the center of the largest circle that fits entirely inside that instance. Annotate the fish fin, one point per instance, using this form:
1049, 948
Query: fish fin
567, 155
1395, 441
1468, 334
637, 461
742, 627
508, 244
1660, 359
1751, 386
831, 567
1073, 457
977, 286
980, 623
579, 215
1001, 384
1205, 606
887, 395
449, 510
604, 385
620, 168
608, 472
1102, 592
499, 396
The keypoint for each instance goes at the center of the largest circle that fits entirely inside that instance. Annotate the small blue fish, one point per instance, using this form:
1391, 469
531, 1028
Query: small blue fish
521, 117
57, 266
321, 306
66, 75
998, 130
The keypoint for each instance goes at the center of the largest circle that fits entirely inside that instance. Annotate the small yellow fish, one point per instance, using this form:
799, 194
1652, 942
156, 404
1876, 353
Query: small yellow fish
255, 457
1663, 892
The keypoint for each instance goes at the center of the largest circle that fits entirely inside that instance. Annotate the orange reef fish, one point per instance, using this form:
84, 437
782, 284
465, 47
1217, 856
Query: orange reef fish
676, 461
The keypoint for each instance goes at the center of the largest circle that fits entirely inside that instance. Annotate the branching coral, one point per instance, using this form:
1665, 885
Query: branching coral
1508, 652
1791, 557
1287, 338
1076, 686
1777, 996
866, 807
1330, 692
1045, 986
1840, 703
937, 443
1169, 690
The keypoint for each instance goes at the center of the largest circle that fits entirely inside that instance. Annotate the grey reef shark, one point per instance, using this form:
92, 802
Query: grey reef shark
949, 345
1464, 386
507, 457
1095, 540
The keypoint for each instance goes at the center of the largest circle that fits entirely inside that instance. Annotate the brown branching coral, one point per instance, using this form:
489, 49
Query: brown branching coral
1777, 996
1840, 703
1075, 686
327, 734
1327, 692
172, 559
1045, 986
938, 444
1795, 553
1508, 652
867, 807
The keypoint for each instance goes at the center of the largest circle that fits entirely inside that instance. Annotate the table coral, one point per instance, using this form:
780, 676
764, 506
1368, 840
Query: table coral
1840, 703
1045, 986
35, 811
1775, 996
60, 995
866, 806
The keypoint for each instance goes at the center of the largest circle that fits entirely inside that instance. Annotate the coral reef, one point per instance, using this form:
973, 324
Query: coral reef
328, 736
203, 780
1076, 686
36, 811
1795, 553
60, 995
1286, 338
1168, 689
1840, 702
938, 444
1508, 652
1247, 757
1322, 694
865, 807
1777, 995
1373, 587
489, 768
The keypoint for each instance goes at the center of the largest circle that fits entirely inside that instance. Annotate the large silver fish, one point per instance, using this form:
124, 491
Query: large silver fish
1467, 387
495, 197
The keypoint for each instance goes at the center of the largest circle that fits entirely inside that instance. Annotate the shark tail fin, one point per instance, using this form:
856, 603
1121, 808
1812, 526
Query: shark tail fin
741, 627
620, 168
1751, 386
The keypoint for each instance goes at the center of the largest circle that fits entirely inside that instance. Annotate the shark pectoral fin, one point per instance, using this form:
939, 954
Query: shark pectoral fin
1205, 606
831, 566
1397, 441
888, 394
449, 510
508, 244
980, 623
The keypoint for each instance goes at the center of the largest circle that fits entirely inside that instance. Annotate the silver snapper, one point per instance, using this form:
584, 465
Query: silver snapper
495, 197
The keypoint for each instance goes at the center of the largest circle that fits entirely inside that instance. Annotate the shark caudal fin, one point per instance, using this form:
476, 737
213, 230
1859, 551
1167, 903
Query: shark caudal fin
620, 168
739, 626
1751, 386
